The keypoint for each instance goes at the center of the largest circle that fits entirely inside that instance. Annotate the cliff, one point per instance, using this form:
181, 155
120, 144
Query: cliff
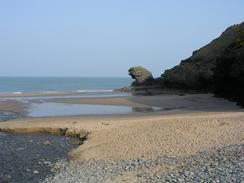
229, 72
217, 67
197, 71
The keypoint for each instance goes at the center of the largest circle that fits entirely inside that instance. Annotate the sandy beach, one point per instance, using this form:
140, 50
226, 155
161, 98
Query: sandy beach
189, 125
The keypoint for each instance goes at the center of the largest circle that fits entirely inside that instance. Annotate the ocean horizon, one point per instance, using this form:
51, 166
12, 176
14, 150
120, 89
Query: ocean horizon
19, 85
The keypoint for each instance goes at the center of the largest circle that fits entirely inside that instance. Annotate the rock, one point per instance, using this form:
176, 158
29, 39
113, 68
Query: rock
3, 134
47, 162
76, 133
217, 67
229, 72
35, 172
47, 142
140, 74
200, 167
124, 89
144, 83
8, 177
197, 72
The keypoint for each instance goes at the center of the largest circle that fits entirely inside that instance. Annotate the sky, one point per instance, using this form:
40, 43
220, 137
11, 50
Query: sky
105, 38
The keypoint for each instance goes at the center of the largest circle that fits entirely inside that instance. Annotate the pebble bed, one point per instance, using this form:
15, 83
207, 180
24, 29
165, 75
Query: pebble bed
216, 165
30, 158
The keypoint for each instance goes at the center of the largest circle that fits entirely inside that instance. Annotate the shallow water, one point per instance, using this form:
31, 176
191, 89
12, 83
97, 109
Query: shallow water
65, 95
8, 115
60, 109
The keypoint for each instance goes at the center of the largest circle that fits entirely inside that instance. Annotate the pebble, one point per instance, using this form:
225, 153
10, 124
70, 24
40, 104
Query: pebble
35, 172
26, 159
47, 142
216, 165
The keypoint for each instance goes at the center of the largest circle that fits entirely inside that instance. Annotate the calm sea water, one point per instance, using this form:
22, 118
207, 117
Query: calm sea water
60, 84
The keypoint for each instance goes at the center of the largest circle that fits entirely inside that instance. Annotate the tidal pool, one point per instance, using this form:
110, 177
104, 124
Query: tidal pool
61, 109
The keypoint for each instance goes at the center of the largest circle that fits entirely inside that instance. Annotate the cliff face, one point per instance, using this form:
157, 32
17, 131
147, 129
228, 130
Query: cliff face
229, 72
197, 72
217, 67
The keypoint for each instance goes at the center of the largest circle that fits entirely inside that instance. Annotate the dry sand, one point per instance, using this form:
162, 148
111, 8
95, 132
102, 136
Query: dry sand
208, 122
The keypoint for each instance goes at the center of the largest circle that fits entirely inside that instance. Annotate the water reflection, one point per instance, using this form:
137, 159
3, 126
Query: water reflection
61, 109
145, 109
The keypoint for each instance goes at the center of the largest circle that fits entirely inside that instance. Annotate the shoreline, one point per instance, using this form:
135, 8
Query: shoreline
62, 93
189, 103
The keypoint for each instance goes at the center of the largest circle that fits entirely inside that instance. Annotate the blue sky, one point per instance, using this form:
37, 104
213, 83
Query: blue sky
105, 38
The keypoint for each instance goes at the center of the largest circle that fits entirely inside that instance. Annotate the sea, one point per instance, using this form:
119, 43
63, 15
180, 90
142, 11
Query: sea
35, 92
19, 85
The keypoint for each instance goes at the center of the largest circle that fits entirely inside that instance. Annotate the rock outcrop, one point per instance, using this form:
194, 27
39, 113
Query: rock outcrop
144, 83
140, 74
197, 72
217, 67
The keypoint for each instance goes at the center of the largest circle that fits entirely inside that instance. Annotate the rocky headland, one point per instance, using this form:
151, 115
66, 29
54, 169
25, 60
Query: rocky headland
144, 82
217, 67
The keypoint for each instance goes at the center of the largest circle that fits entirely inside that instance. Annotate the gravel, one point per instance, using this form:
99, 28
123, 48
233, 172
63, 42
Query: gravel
30, 158
216, 165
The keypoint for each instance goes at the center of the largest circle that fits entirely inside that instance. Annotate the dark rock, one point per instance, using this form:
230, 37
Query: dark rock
229, 72
197, 72
217, 67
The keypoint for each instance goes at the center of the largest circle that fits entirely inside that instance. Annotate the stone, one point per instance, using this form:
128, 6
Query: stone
140, 74
47, 142
35, 172
144, 83
76, 133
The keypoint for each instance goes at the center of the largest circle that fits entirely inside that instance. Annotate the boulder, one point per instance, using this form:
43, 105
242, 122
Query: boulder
140, 74
144, 83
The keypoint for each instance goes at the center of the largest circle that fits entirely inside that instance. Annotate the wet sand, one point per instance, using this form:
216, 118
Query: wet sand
167, 103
